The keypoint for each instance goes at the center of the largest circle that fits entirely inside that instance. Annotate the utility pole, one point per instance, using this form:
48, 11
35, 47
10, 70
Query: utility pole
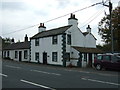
110, 10
110, 27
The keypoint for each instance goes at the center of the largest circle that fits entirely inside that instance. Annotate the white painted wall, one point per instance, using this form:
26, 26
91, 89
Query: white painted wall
12, 54
46, 45
90, 41
77, 39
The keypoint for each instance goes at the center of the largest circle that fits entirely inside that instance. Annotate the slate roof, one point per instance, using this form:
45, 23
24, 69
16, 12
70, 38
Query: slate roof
87, 50
85, 33
19, 45
52, 32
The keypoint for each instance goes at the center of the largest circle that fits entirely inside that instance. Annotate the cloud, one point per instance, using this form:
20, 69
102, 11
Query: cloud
13, 6
19, 14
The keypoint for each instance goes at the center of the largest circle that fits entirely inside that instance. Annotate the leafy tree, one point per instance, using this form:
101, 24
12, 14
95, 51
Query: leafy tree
7, 41
105, 32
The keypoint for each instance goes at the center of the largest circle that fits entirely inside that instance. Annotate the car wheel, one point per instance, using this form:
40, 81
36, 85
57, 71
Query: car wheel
98, 67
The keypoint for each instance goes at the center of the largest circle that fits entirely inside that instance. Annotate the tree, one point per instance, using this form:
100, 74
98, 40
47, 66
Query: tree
105, 32
7, 41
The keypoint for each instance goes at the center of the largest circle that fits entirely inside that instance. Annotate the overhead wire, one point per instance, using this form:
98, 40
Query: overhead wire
53, 18
21, 29
93, 18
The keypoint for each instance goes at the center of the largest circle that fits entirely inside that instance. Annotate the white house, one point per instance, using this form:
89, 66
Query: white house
18, 51
66, 45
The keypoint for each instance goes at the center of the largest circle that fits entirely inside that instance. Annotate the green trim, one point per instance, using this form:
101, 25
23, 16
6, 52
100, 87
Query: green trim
64, 49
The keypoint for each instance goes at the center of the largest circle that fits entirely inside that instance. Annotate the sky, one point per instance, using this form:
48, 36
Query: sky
16, 16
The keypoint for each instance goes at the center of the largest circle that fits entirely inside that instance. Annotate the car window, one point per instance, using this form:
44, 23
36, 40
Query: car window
99, 57
107, 58
115, 58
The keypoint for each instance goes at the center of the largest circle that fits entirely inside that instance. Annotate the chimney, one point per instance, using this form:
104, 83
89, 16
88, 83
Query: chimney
41, 27
26, 38
72, 20
88, 29
12, 40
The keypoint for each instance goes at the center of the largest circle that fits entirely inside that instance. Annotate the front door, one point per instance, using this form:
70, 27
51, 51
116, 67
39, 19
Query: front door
44, 58
20, 55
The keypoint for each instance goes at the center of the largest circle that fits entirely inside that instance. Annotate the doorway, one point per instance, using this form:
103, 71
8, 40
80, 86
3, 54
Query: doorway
90, 60
44, 58
20, 55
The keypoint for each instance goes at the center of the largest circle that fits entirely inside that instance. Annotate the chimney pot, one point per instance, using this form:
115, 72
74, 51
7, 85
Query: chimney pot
26, 38
40, 24
41, 27
88, 29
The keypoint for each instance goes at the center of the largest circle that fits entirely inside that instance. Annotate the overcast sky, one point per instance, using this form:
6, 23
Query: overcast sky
21, 14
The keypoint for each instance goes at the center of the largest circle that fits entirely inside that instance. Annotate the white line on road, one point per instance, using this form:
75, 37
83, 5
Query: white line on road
76, 71
35, 84
46, 72
12, 66
3, 75
100, 81
106, 74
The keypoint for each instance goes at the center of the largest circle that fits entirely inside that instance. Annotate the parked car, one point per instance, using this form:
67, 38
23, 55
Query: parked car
107, 61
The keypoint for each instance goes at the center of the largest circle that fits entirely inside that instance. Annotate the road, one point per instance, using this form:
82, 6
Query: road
28, 75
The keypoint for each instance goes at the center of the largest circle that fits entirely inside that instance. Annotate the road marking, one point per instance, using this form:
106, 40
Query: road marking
76, 71
106, 74
12, 66
35, 84
3, 75
46, 72
84, 71
90, 72
100, 81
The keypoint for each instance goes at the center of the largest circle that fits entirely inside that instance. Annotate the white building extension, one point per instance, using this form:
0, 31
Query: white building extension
18, 51
67, 45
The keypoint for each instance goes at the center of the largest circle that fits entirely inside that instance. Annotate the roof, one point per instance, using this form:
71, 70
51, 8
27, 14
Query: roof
19, 45
52, 32
85, 33
87, 50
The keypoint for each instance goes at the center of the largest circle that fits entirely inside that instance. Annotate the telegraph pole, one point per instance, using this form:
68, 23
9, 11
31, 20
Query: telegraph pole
110, 10
110, 27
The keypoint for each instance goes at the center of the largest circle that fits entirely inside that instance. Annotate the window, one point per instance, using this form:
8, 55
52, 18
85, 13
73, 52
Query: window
8, 53
54, 40
69, 39
25, 54
54, 56
99, 57
107, 58
16, 54
115, 58
37, 42
37, 56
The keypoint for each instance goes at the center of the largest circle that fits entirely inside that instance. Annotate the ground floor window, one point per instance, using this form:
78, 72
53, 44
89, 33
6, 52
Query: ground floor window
25, 54
4, 53
37, 56
16, 54
54, 56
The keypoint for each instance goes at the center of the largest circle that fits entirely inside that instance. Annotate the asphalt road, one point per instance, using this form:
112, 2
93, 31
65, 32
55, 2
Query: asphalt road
27, 75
